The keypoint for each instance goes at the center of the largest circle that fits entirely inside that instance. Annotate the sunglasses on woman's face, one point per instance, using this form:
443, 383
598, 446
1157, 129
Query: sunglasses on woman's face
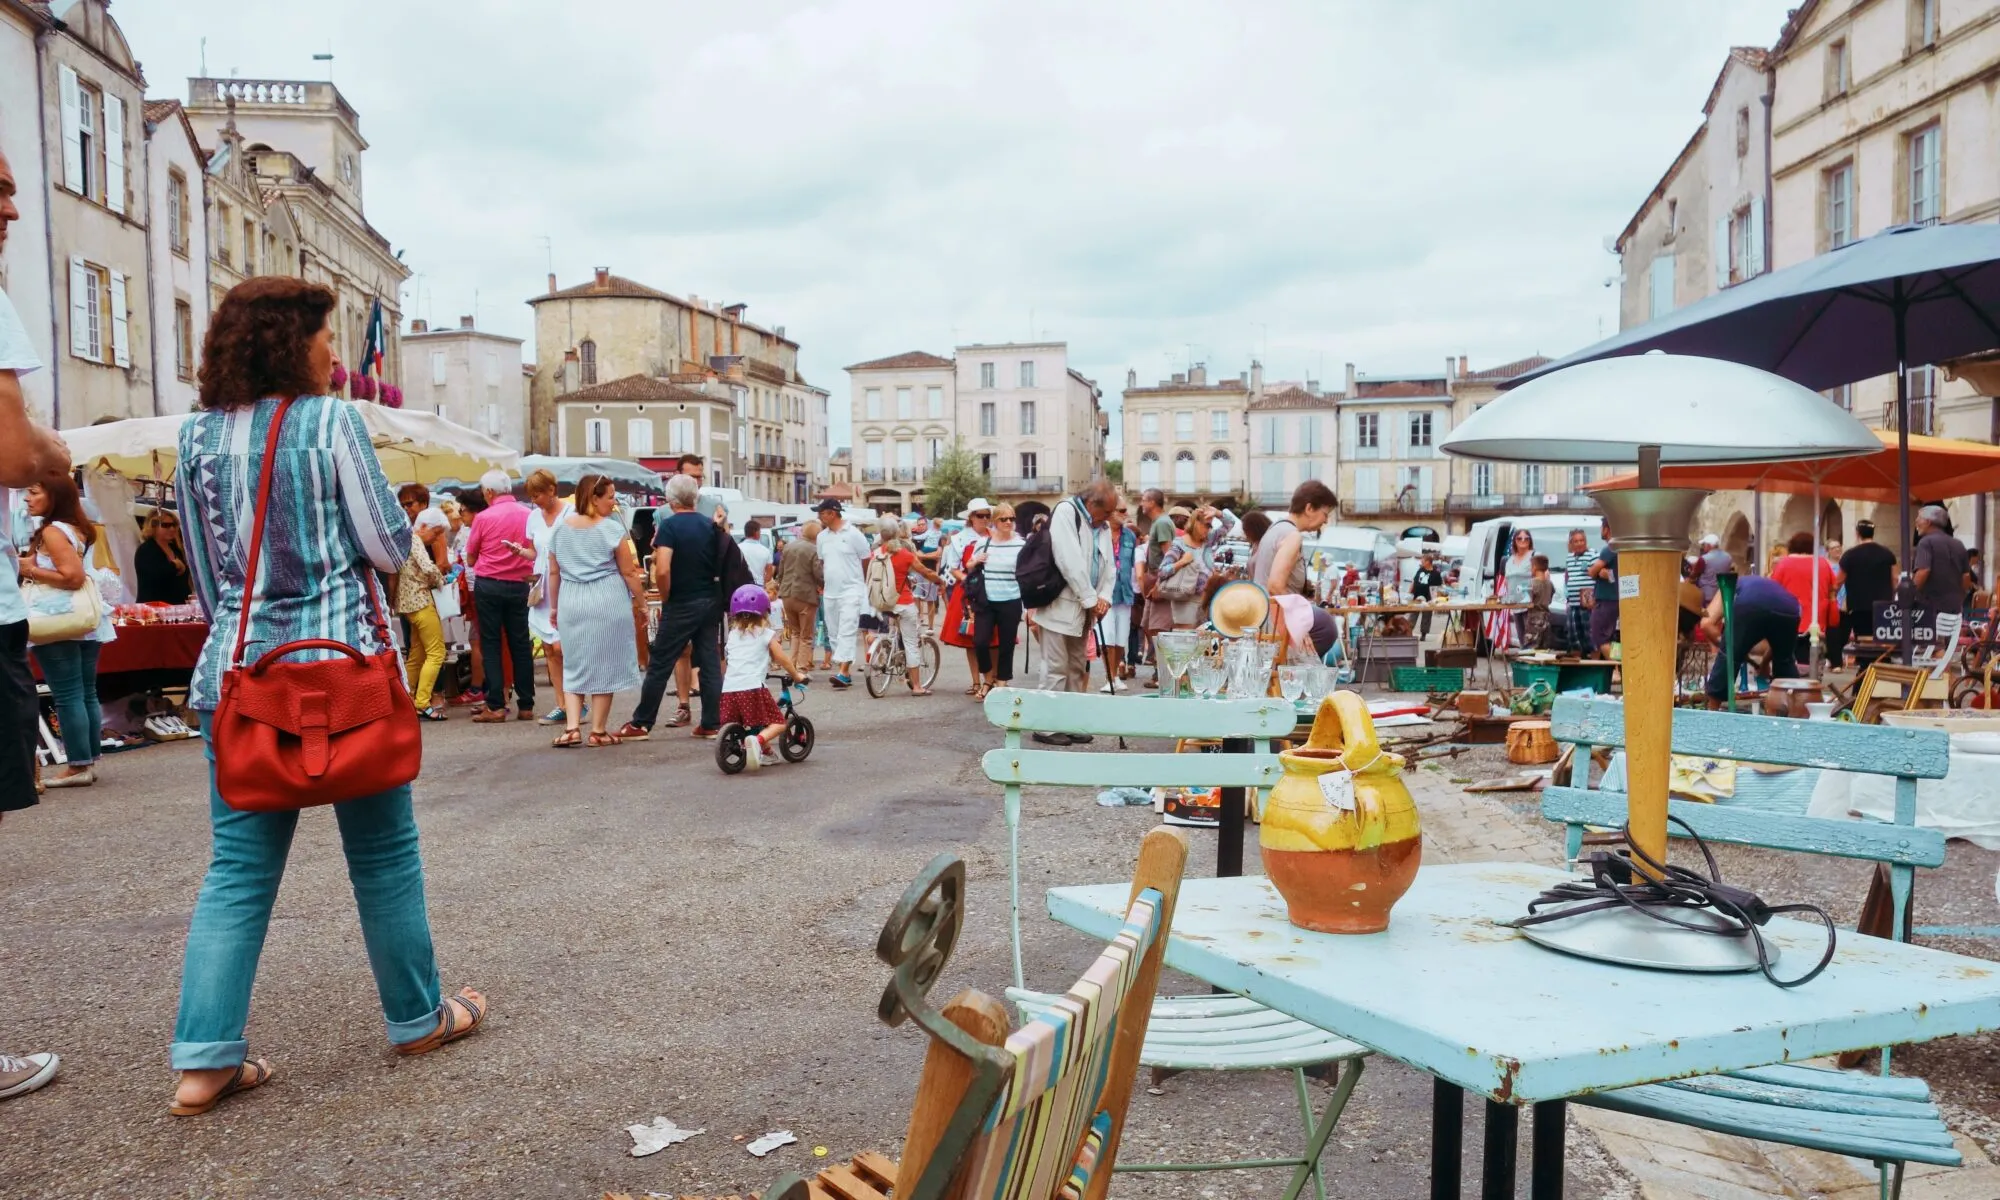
1009, 520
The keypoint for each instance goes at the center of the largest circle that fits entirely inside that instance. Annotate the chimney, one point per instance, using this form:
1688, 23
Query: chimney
735, 311
1350, 381
604, 277
779, 330
420, 326
1198, 375
694, 301
1312, 387
1131, 378
1256, 378
1180, 377
572, 369
1450, 367
465, 322
1461, 366
552, 281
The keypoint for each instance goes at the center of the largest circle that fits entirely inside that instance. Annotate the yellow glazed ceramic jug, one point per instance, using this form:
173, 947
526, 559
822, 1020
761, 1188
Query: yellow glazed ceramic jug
1340, 835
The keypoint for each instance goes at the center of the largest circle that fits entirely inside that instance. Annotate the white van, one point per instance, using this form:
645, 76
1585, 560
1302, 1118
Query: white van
1488, 543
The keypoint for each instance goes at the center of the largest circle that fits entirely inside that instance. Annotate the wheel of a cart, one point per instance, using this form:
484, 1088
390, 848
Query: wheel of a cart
729, 754
798, 740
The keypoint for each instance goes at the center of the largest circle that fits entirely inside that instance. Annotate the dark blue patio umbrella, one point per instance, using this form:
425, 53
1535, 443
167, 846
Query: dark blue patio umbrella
1909, 294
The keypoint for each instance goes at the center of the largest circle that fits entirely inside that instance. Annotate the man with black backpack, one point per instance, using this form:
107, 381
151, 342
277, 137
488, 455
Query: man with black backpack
1067, 573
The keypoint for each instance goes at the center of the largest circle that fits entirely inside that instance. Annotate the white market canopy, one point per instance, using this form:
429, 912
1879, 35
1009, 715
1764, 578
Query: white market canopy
414, 447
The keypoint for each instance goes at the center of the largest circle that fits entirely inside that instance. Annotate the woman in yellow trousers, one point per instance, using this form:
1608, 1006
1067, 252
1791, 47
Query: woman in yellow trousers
414, 583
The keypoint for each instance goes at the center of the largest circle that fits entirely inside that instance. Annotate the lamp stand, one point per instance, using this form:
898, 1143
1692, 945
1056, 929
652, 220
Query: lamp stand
1649, 525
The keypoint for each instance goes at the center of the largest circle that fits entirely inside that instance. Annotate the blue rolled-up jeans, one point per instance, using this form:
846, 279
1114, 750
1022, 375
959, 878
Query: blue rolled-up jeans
70, 669
379, 836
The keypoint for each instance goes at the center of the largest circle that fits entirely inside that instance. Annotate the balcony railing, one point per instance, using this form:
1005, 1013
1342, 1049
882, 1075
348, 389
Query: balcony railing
1368, 506
770, 462
1923, 415
1028, 485
1270, 499
908, 475
874, 475
1520, 502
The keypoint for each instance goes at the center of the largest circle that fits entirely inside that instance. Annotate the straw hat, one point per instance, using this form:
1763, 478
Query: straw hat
1239, 608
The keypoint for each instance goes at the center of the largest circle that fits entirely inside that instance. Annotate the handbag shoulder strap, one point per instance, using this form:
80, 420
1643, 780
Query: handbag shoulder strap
257, 529
257, 543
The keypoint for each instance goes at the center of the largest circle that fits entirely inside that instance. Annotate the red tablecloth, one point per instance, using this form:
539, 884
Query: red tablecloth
153, 648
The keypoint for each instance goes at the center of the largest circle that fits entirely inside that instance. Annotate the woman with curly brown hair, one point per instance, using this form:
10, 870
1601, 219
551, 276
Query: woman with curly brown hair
332, 523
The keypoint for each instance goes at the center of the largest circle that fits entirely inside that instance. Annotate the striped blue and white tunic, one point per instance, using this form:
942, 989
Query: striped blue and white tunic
332, 521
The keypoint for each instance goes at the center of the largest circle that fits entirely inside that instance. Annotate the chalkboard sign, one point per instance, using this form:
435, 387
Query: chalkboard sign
1889, 623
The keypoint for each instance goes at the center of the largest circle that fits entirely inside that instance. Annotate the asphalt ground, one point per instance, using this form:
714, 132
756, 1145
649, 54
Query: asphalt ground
656, 939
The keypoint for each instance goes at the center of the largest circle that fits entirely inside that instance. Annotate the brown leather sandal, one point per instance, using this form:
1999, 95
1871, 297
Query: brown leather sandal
568, 739
450, 1029
603, 739
250, 1073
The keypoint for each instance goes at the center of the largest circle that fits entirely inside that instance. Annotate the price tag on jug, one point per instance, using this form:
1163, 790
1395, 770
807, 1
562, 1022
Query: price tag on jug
1337, 789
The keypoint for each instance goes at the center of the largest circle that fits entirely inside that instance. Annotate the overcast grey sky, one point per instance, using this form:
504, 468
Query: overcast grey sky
1310, 181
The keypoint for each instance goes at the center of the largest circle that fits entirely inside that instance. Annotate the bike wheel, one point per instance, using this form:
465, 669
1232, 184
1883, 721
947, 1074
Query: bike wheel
729, 754
933, 652
882, 667
798, 740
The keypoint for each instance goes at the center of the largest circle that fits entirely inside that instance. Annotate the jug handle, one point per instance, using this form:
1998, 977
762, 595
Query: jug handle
1356, 728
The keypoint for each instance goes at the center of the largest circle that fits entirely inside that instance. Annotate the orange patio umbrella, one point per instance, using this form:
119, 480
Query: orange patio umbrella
1940, 468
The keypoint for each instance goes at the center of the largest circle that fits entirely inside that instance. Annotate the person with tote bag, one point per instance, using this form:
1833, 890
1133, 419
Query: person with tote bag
67, 621
287, 519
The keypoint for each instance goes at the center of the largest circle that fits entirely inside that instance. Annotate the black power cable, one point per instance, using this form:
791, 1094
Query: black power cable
1614, 884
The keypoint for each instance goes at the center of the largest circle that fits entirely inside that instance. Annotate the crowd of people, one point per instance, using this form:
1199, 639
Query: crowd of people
348, 555
1775, 615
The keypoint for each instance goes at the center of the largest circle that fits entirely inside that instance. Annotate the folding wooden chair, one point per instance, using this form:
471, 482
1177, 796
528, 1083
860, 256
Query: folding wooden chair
1031, 1115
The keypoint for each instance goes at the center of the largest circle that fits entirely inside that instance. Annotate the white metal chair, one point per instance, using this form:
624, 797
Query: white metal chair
1188, 1033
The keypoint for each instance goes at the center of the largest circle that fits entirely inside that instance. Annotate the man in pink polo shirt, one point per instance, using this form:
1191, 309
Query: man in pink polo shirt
502, 560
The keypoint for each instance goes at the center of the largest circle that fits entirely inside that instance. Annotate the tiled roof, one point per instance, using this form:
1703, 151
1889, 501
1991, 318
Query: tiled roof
160, 110
1295, 397
1171, 388
614, 286
639, 389
1507, 371
1399, 388
906, 361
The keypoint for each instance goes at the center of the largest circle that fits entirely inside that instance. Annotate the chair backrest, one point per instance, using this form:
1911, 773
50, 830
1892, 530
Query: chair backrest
1944, 651
1907, 755
1015, 711
1038, 1115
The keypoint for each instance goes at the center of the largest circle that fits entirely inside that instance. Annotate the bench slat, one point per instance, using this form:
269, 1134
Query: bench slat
1131, 770
1128, 716
1832, 745
1898, 1087
1813, 1099
1879, 1138
1873, 841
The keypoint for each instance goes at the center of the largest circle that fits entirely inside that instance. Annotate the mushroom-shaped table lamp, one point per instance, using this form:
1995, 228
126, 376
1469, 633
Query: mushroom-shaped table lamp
1653, 409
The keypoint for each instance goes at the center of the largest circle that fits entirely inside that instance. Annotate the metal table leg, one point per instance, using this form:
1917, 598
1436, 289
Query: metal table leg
1447, 1138
1229, 833
1545, 1171
1503, 1131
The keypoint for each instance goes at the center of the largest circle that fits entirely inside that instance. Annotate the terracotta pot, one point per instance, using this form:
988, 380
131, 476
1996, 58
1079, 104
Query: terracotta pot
1340, 868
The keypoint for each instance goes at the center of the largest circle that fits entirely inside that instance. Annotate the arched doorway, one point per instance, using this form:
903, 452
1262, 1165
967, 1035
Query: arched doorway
1832, 528
1736, 539
1795, 517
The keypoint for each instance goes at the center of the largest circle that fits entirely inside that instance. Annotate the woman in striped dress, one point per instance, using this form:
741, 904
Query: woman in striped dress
595, 589
332, 523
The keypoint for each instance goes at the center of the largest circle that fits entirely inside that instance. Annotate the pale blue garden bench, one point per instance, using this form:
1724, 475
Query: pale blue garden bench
1887, 1119
1187, 1033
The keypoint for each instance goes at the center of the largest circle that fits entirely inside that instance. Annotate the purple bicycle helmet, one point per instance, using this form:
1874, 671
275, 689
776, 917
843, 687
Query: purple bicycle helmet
749, 599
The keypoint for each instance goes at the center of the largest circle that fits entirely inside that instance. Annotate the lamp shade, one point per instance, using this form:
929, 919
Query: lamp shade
1696, 410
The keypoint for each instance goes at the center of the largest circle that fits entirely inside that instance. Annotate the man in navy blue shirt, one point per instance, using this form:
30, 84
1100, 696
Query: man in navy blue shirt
1764, 612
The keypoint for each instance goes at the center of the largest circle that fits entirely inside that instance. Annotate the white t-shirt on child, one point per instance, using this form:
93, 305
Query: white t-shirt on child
749, 658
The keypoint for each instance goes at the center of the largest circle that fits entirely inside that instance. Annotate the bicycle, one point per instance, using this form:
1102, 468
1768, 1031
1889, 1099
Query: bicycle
888, 663
794, 744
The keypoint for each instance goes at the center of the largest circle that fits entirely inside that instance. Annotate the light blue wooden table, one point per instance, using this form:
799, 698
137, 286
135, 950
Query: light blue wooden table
1450, 991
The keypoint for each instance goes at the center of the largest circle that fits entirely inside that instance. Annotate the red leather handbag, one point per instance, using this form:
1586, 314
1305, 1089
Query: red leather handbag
290, 735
